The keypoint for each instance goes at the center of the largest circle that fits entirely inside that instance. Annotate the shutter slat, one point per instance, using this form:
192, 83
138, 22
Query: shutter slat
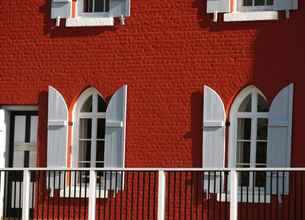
279, 131
119, 8
286, 5
218, 6
60, 8
213, 149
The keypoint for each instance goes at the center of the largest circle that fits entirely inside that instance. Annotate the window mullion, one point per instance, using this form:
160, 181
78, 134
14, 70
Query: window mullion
93, 5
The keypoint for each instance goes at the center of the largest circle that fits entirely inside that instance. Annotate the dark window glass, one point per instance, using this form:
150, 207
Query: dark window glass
100, 149
101, 104
245, 106
99, 6
87, 106
260, 178
261, 152
243, 152
101, 128
244, 129
84, 152
259, 2
262, 105
247, 2
270, 2
243, 177
88, 6
85, 128
262, 128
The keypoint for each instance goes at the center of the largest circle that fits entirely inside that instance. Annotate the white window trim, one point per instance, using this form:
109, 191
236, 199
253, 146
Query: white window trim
234, 114
75, 140
251, 13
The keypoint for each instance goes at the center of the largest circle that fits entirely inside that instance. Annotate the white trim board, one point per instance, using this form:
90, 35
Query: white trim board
251, 16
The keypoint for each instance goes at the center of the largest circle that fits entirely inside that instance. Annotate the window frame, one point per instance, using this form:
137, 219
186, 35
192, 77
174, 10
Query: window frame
257, 8
254, 115
76, 118
81, 13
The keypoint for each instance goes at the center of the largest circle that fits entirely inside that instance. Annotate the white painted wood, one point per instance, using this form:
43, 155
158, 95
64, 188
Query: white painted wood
161, 195
251, 16
60, 9
115, 135
57, 129
280, 131
2, 156
213, 149
89, 21
20, 107
233, 195
92, 195
218, 6
26, 195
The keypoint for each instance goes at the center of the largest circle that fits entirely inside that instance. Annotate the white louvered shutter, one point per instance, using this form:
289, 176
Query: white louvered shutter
120, 8
285, 5
279, 135
60, 8
115, 134
213, 149
57, 132
218, 6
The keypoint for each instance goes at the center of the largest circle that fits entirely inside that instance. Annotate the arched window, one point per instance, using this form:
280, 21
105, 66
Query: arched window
89, 130
248, 135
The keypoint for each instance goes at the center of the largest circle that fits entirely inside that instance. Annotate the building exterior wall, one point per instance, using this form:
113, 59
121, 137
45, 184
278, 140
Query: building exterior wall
165, 54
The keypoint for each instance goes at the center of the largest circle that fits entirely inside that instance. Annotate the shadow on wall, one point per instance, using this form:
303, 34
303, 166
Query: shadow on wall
196, 129
43, 129
50, 29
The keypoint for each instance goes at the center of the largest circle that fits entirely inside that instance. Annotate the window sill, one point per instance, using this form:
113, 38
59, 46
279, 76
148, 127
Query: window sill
89, 21
256, 198
251, 16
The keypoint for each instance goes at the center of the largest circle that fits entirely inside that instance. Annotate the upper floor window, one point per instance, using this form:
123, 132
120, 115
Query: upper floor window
250, 10
90, 6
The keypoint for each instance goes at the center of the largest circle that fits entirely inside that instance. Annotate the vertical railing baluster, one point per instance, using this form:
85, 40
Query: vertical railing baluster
301, 194
233, 195
126, 197
143, 195
168, 193
110, 185
137, 194
148, 199
115, 191
132, 188
277, 195
58, 200
283, 193
202, 200
121, 202
208, 195
220, 193
92, 195
191, 198
295, 194
26, 195
161, 195
185, 194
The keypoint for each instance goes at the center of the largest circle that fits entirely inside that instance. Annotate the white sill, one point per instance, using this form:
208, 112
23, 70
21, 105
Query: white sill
89, 21
252, 198
251, 16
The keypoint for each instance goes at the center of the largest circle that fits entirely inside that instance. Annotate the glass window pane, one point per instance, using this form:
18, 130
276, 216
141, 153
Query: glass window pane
246, 104
261, 152
99, 6
260, 178
87, 106
101, 128
262, 105
243, 177
84, 151
269, 2
107, 5
262, 128
100, 149
88, 5
101, 104
259, 2
247, 2
243, 152
85, 128
244, 129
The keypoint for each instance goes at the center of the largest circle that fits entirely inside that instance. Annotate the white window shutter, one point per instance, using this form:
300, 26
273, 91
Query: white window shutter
57, 132
218, 6
115, 132
120, 8
213, 149
285, 5
2, 137
60, 8
280, 133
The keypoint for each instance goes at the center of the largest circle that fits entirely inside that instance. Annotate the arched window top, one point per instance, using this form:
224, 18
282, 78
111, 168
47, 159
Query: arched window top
91, 101
250, 101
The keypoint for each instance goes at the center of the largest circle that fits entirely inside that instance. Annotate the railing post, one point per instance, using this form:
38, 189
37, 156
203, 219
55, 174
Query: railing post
233, 195
2, 188
26, 195
92, 196
161, 195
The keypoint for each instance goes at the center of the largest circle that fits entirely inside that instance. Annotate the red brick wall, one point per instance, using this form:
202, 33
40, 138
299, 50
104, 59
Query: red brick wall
166, 52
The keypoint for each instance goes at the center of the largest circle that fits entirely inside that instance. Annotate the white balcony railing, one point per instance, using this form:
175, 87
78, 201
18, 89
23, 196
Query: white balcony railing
152, 193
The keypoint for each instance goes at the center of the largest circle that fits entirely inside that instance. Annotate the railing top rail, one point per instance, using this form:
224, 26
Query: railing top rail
157, 169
